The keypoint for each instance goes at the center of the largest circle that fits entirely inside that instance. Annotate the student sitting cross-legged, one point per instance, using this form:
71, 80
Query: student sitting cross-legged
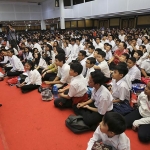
77, 90
111, 132
33, 80
121, 86
62, 77
17, 66
101, 101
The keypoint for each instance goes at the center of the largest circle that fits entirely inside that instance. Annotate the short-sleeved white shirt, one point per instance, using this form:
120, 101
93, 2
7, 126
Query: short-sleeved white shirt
102, 100
146, 65
78, 86
63, 73
104, 68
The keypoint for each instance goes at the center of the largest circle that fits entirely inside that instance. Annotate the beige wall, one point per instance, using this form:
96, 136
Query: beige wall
96, 23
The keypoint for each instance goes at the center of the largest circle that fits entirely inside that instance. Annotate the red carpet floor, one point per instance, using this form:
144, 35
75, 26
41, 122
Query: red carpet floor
28, 123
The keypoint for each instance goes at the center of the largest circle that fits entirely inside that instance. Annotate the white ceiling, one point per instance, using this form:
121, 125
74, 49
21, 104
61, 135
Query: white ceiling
30, 1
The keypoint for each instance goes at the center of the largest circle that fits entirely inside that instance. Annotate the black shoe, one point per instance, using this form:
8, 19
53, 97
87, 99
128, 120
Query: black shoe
0, 105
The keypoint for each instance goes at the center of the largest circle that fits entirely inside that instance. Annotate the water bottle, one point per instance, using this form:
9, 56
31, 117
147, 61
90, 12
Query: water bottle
55, 91
18, 80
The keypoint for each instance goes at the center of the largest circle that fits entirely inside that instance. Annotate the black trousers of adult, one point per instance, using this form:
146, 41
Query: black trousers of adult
15, 73
7, 69
28, 88
131, 117
49, 77
144, 133
90, 118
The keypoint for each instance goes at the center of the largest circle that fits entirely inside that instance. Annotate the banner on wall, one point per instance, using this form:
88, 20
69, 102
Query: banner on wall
56, 3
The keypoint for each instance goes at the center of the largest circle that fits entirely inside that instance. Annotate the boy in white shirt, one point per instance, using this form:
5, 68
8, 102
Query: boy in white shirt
63, 72
134, 72
111, 132
90, 62
145, 67
77, 89
108, 52
103, 65
17, 66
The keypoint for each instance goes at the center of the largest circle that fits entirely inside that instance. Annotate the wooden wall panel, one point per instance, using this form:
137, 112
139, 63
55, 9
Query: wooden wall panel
67, 24
89, 23
81, 23
143, 20
96, 23
114, 21
73, 24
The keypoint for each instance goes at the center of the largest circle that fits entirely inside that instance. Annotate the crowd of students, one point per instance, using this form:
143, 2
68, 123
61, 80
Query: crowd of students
84, 60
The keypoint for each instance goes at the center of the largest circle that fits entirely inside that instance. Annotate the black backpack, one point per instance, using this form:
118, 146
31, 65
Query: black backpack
76, 124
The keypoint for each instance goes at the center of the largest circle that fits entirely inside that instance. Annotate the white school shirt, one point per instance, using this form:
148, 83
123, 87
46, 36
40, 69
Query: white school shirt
147, 47
74, 52
77, 89
16, 64
89, 70
5, 60
146, 65
113, 44
108, 55
42, 63
63, 73
134, 73
36, 45
141, 121
83, 63
27, 56
139, 42
34, 77
118, 142
104, 68
142, 58
80, 47
144, 105
121, 37
120, 89
99, 45
103, 42
67, 51
102, 100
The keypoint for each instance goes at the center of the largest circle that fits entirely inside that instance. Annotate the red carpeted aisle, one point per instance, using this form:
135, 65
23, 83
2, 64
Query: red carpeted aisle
28, 123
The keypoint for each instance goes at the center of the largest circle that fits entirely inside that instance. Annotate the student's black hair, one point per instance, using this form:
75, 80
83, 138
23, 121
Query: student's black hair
140, 53
31, 64
73, 39
35, 41
92, 47
61, 57
143, 46
11, 50
112, 36
118, 40
110, 46
115, 122
134, 39
106, 44
124, 44
133, 59
98, 77
92, 60
60, 50
98, 50
122, 68
98, 38
102, 53
78, 39
83, 53
76, 67
37, 60
126, 55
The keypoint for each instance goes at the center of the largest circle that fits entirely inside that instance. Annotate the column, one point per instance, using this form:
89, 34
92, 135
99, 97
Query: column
43, 25
62, 19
